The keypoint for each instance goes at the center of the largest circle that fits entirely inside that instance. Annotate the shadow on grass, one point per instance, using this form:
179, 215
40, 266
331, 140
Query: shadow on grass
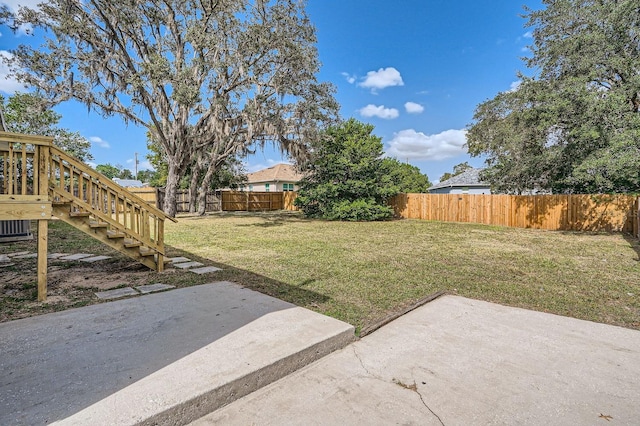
74, 283
109, 345
634, 243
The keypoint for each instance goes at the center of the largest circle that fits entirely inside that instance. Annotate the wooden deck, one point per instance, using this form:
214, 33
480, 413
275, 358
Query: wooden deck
39, 181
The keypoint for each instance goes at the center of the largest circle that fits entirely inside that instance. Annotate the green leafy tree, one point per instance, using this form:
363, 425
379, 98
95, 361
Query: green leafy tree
458, 169
108, 170
407, 178
126, 174
28, 113
575, 126
147, 176
215, 78
346, 177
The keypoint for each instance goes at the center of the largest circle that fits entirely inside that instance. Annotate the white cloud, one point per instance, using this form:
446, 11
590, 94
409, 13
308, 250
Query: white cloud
379, 111
528, 34
383, 78
15, 4
413, 108
98, 141
350, 78
145, 165
8, 84
409, 144
515, 85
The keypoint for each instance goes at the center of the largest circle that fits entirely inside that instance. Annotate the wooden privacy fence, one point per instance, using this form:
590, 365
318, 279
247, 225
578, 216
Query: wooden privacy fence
224, 200
258, 201
553, 212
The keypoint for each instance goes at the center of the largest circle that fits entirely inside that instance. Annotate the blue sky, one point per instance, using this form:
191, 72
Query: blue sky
415, 69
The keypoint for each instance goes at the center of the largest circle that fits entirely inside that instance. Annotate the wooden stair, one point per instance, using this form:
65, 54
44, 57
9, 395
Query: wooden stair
105, 211
39, 181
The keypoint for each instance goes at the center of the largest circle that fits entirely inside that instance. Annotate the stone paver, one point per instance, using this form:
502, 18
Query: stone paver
152, 288
26, 256
94, 259
205, 270
179, 259
20, 253
188, 265
77, 256
116, 293
56, 255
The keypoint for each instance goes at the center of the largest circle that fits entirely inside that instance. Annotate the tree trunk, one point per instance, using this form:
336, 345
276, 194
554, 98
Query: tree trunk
193, 187
204, 188
173, 178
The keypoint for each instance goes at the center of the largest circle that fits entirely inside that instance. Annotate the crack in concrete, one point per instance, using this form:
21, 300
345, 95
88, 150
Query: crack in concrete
428, 408
355, 352
414, 388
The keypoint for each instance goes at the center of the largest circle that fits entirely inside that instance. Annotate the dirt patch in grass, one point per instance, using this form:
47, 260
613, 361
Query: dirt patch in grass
74, 283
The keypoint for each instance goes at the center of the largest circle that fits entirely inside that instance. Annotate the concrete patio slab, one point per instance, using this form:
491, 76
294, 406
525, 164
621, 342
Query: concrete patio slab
457, 361
166, 358
116, 293
205, 270
152, 288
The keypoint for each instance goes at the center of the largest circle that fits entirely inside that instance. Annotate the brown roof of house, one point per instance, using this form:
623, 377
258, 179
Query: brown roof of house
279, 173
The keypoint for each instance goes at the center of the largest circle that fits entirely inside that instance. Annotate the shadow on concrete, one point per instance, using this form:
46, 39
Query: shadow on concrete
55, 365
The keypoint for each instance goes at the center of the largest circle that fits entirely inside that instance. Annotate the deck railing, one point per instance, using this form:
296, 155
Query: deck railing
71, 180
33, 168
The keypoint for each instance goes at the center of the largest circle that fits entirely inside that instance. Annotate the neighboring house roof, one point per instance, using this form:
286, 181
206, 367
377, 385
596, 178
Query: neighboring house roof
277, 173
128, 183
469, 178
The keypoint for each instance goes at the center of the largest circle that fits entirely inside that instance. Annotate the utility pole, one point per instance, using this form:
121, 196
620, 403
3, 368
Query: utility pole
136, 164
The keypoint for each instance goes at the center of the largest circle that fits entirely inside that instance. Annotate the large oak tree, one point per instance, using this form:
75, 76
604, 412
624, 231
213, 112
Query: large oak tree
575, 125
208, 78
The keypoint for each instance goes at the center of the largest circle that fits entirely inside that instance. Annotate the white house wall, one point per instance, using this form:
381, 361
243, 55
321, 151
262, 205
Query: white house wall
454, 190
273, 186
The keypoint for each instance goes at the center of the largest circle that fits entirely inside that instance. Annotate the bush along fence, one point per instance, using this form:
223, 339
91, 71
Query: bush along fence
609, 213
224, 200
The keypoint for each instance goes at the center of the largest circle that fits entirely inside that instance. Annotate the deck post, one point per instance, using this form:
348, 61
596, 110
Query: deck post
42, 153
43, 230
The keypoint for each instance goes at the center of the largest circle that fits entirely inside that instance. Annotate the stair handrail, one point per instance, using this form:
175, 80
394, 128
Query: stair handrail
108, 183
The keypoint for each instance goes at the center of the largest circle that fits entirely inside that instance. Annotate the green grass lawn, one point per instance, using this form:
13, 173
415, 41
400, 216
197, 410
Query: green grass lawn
361, 272
357, 272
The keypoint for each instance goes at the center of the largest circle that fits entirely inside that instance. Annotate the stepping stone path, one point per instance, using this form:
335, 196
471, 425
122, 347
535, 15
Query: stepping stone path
128, 291
116, 293
178, 262
205, 270
192, 266
187, 265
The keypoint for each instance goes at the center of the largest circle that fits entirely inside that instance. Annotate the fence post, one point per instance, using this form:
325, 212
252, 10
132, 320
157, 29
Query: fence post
638, 218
